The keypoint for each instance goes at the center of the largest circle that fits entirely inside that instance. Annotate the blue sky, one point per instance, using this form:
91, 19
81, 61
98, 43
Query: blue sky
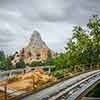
54, 19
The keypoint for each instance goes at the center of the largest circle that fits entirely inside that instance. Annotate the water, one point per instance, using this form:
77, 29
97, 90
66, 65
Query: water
3, 76
8, 74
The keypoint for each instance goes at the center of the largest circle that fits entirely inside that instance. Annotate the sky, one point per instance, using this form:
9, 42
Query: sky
53, 19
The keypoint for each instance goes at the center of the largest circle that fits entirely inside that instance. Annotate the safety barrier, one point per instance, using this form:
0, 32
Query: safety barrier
76, 70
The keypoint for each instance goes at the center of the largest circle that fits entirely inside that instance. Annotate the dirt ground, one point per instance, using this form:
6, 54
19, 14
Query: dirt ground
26, 82
23, 85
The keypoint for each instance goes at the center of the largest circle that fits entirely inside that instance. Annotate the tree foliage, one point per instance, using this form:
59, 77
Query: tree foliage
5, 61
49, 60
84, 46
2, 55
60, 62
20, 64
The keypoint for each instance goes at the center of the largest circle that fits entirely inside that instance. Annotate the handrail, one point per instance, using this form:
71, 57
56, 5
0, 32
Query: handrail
75, 70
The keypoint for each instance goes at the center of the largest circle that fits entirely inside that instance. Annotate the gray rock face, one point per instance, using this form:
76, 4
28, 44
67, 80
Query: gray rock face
35, 47
36, 41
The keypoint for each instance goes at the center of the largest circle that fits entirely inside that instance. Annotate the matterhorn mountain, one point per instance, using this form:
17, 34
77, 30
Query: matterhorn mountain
36, 41
36, 50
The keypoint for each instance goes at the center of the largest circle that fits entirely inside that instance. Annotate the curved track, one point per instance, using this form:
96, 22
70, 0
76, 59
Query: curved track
74, 91
67, 90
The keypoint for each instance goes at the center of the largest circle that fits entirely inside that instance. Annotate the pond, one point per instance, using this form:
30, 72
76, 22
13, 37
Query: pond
3, 77
8, 74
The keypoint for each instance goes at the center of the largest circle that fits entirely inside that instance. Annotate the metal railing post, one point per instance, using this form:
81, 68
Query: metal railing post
75, 70
5, 92
65, 73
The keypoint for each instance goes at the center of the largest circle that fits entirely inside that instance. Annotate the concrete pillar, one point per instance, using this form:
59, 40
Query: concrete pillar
5, 92
97, 66
75, 69
49, 70
65, 73
83, 69
91, 67
10, 74
33, 82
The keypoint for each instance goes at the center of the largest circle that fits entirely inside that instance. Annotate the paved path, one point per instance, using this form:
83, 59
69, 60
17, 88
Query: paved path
56, 88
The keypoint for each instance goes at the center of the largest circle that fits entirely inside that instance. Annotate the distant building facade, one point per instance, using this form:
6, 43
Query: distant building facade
29, 57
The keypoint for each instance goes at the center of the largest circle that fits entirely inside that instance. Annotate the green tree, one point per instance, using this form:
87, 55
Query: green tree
60, 62
2, 55
94, 26
49, 60
35, 64
2, 61
84, 46
8, 62
21, 64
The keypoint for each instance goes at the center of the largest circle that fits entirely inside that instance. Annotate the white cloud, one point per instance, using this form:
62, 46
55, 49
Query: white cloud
54, 19
9, 13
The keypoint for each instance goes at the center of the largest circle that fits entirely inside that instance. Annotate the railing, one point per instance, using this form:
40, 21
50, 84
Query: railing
77, 69
13, 73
